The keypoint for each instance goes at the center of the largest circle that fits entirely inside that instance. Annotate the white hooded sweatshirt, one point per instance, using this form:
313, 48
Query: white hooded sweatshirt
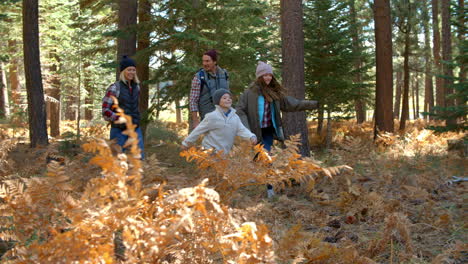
220, 130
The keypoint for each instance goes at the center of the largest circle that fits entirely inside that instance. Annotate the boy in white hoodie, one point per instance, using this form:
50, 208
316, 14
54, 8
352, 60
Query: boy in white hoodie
220, 126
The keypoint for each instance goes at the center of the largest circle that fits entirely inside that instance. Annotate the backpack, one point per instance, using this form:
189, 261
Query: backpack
201, 76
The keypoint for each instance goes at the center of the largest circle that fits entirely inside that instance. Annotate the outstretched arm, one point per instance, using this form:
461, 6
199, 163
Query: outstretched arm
201, 129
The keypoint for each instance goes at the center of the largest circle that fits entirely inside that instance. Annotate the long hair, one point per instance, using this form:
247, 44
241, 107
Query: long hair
272, 91
122, 77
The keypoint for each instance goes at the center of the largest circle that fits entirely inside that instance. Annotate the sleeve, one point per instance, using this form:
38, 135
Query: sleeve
241, 109
107, 103
242, 131
201, 129
194, 94
291, 104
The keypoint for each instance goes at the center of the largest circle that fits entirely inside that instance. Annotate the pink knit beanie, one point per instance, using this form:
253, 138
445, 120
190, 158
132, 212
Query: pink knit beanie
262, 69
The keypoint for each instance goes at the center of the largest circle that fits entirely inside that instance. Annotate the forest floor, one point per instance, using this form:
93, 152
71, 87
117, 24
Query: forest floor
397, 205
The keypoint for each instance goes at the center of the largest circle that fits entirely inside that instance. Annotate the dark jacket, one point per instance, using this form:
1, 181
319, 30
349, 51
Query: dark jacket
129, 102
248, 111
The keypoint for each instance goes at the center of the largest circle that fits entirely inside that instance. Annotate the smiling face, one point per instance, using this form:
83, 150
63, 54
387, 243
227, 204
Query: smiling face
225, 102
208, 63
267, 78
130, 73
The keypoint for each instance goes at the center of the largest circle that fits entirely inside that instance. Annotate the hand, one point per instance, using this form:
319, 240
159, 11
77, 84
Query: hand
253, 140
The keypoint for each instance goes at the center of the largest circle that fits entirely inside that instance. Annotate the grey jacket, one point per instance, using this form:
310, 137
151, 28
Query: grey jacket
248, 110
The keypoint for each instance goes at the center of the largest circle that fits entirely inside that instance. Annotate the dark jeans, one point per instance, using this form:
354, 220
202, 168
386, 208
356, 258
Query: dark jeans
267, 141
121, 138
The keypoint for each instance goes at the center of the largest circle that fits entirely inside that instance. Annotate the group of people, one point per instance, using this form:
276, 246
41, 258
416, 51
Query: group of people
256, 117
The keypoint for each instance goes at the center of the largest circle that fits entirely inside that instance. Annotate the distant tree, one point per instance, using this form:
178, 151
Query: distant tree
292, 38
32, 67
384, 68
440, 95
4, 106
428, 84
447, 59
398, 85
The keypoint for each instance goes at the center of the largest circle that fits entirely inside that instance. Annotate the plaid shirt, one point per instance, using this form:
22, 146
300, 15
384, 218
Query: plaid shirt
266, 120
195, 94
107, 103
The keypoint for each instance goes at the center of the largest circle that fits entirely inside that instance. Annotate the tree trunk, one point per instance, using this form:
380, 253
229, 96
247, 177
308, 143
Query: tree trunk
292, 37
359, 103
144, 17
178, 112
71, 101
406, 73
416, 99
461, 38
54, 91
440, 96
447, 57
87, 83
384, 67
13, 74
320, 120
4, 107
32, 70
397, 106
428, 86
126, 44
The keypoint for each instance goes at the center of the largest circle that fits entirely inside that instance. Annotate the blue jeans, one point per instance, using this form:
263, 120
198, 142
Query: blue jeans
267, 141
121, 138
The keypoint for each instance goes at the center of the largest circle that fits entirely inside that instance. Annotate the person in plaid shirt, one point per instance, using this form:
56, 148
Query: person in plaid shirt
127, 91
205, 82
260, 107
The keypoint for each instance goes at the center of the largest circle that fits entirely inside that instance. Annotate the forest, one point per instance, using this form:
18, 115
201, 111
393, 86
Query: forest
376, 173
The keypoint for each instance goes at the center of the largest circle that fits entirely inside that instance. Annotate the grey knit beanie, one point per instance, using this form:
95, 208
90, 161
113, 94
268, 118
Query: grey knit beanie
218, 94
262, 69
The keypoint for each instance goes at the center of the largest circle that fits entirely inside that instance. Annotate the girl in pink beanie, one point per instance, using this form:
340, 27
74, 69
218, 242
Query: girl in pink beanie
260, 107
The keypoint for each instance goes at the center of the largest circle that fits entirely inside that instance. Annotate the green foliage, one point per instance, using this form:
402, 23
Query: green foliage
330, 57
158, 131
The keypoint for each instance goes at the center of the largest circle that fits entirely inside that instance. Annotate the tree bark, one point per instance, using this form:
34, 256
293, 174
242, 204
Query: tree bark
54, 91
359, 104
144, 17
428, 86
397, 106
292, 37
4, 106
13, 74
126, 44
440, 96
32, 70
447, 57
178, 112
416, 98
384, 67
461, 39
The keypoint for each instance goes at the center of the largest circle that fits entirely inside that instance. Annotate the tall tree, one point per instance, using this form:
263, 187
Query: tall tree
359, 102
428, 85
292, 37
4, 107
126, 41
447, 58
32, 69
398, 85
384, 68
404, 22
143, 55
440, 95
54, 92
